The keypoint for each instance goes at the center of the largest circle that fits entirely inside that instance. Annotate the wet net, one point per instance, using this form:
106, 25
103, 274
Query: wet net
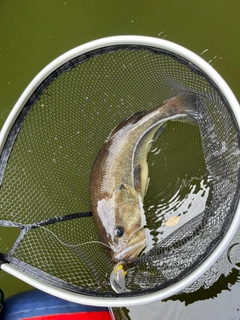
48, 155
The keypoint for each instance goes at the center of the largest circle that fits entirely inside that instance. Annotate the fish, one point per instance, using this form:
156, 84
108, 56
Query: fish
119, 177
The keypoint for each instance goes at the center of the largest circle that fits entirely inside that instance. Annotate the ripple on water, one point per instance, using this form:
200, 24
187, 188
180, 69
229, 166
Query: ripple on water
189, 200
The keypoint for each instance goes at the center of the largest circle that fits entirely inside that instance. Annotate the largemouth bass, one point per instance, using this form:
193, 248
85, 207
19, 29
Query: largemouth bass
119, 177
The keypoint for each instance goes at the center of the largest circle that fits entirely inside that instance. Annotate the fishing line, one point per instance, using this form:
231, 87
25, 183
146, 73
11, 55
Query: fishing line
84, 255
73, 245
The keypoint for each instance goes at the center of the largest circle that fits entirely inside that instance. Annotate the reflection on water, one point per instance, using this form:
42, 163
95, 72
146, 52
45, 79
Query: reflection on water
187, 202
224, 306
179, 185
216, 301
233, 254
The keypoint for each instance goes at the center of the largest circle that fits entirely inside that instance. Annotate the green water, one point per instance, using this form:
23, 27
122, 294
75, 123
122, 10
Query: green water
33, 33
178, 186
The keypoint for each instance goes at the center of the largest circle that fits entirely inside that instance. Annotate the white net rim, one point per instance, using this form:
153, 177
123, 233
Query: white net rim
229, 96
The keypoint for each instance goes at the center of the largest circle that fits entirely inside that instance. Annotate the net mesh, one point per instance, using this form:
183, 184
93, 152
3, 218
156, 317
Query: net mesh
46, 163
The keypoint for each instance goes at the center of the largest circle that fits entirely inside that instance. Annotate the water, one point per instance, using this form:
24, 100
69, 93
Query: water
33, 33
179, 184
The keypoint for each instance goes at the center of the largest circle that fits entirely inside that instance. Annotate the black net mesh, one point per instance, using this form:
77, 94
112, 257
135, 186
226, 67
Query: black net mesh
46, 163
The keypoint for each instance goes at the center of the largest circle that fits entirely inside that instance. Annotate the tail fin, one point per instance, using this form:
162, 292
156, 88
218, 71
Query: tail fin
186, 103
191, 105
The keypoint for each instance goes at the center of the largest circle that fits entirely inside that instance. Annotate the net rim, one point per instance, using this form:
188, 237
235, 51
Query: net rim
229, 96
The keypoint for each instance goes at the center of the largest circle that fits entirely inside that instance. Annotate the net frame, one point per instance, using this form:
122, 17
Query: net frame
228, 95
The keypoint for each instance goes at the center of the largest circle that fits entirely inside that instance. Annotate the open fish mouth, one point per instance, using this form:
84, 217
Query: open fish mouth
131, 251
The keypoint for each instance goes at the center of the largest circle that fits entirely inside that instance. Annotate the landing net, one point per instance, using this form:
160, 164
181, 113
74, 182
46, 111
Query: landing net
49, 144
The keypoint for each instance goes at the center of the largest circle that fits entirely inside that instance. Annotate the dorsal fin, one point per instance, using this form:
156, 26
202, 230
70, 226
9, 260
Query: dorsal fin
132, 119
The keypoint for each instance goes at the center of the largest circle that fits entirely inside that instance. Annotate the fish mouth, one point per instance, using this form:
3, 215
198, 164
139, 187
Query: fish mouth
131, 251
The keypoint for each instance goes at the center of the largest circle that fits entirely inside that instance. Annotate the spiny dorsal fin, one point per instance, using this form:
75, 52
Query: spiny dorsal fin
132, 119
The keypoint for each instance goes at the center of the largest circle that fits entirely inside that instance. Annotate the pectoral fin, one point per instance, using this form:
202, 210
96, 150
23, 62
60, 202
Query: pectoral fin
121, 187
132, 119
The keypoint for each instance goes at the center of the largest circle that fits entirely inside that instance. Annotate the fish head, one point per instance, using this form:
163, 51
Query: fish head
128, 236
121, 221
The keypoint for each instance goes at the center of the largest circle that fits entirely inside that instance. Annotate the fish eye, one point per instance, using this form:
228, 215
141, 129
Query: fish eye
118, 231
